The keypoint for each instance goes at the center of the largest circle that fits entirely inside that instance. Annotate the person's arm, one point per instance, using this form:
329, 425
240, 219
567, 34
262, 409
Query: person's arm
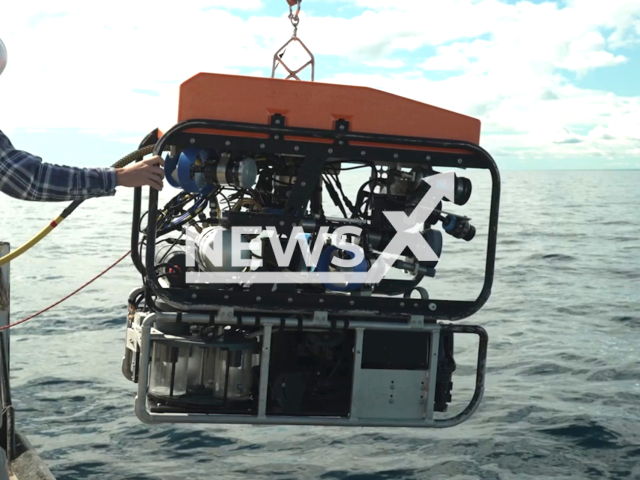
27, 177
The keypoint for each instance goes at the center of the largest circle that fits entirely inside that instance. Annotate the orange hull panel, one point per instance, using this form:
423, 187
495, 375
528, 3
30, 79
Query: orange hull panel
318, 105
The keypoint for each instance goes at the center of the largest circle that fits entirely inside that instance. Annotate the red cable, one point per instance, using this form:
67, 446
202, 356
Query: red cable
68, 296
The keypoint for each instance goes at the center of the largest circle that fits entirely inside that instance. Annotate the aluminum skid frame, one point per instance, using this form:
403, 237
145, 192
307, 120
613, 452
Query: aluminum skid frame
378, 397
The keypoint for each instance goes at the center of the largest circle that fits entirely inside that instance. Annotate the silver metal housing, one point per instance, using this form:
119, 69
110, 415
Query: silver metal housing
379, 398
213, 252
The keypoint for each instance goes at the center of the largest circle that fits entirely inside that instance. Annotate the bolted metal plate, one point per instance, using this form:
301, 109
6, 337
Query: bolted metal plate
391, 394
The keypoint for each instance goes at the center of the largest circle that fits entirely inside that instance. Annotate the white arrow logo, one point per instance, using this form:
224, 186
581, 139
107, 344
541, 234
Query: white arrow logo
408, 228
408, 236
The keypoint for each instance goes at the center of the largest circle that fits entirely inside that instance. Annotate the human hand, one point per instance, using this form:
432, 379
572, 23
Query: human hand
142, 174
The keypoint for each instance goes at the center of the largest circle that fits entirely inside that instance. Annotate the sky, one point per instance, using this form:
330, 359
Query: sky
555, 84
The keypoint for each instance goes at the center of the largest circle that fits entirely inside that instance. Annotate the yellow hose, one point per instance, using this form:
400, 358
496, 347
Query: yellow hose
134, 156
20, 250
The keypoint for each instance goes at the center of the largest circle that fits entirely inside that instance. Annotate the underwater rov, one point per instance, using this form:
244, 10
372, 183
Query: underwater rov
257, 304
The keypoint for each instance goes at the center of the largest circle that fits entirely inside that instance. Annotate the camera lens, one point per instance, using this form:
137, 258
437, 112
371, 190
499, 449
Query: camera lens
461, 193
459, 227
463, 190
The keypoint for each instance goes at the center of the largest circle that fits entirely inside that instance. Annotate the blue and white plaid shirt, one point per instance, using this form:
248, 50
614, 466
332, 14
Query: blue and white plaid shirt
27, 177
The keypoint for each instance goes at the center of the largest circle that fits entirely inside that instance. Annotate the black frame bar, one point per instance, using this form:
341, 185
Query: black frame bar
330, 144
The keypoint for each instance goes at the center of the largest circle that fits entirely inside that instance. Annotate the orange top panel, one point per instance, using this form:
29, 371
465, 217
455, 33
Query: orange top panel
318, 105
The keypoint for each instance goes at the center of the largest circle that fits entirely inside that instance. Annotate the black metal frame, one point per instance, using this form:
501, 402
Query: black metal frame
481, 363
318, 146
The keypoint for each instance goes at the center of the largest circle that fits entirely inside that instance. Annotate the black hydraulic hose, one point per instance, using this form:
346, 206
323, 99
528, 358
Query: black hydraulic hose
123, 162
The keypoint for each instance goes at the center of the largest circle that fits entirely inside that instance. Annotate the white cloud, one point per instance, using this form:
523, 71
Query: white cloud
514, 76
72, 64
385, 63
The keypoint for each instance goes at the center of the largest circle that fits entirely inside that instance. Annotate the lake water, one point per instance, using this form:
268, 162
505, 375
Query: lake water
562, 397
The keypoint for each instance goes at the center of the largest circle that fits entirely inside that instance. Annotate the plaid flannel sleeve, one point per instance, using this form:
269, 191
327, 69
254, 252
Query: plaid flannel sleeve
27, 177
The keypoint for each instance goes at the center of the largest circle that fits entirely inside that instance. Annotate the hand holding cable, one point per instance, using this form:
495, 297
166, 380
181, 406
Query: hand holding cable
143, 173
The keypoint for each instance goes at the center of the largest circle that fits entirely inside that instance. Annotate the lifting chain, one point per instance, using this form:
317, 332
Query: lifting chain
277, 58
